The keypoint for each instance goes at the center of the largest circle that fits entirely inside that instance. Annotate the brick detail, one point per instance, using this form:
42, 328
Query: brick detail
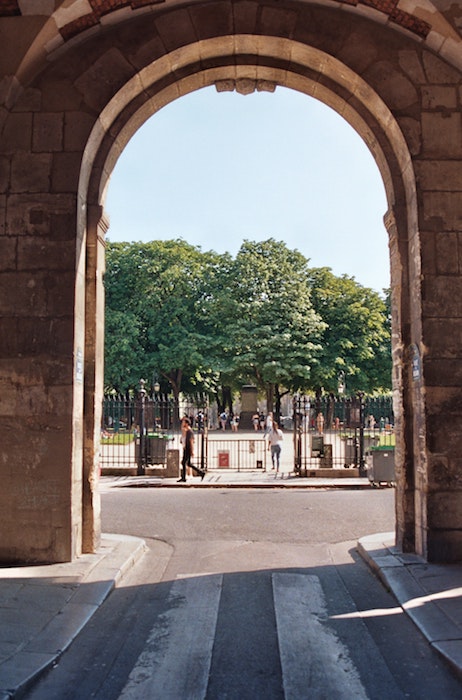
413, 24
79, 25
104, 7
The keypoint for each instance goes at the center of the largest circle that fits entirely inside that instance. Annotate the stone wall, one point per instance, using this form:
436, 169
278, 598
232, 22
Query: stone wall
76, 81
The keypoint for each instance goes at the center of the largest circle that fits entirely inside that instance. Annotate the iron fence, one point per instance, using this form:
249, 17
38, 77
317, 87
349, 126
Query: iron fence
338, 433
138, 431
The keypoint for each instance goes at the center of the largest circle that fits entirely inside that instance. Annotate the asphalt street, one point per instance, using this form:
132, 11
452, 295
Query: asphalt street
249, 594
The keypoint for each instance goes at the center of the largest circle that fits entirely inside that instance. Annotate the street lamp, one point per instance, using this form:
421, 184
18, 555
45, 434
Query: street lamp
155, 397
155, 383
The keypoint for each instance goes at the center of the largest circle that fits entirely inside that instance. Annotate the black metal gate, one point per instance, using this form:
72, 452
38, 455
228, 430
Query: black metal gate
337, 433
141, 431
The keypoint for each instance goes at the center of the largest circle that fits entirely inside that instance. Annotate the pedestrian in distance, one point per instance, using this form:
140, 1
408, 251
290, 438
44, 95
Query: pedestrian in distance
320, 423
200, 422
275, 438
262, 421
187, 442
255, 421
223, 420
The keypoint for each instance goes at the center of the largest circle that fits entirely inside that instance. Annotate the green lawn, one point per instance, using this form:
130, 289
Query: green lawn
117, 438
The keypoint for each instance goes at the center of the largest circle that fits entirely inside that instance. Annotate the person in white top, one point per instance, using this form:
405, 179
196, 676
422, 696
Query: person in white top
275, 438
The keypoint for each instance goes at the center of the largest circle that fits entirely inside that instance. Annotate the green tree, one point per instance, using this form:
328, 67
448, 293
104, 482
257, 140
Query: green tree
204, 321
156, 287
356, 339
274, 339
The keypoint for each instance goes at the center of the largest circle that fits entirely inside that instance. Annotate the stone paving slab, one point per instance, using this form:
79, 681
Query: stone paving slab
430, 594
43, 608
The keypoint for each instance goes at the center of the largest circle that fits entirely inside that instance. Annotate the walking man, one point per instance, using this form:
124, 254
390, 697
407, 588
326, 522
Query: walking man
187, 441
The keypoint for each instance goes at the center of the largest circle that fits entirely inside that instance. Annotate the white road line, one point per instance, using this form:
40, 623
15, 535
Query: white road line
176, 661
315, 663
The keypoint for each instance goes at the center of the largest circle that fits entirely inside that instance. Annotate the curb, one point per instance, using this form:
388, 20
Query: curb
40, 653
399, 573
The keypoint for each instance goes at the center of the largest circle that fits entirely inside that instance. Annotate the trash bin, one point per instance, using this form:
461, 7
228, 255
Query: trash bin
381, 465
156, 448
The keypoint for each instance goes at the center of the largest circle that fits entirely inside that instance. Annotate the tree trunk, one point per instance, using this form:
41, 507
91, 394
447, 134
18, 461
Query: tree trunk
277, 404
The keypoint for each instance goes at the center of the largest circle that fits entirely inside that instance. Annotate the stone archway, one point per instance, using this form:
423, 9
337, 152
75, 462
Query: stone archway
64, 125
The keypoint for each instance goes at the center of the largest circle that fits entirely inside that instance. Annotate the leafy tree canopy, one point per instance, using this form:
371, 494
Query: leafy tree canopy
200, 320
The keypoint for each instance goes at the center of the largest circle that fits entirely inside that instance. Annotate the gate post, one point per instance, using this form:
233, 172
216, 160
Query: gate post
362, 466
142, 450
297, 424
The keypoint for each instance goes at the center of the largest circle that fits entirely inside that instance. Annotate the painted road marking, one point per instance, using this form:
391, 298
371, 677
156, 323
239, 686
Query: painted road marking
315, 663
176, 661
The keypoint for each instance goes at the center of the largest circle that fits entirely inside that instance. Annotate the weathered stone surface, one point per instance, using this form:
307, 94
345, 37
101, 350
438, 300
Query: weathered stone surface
442, 296
402, 97
29, 296
42, 254
443, 337
176, 30
412, 130
442, 134
41, 215
444, 372
445, 510
77, 128
30, 172
7, 254
443, 211
439, 97
245, 16
411, 64
47, 135
99, 83
4, 173
212, 19
445, 175
392, 85
65, 172
438, 71
18, 133
444, 546
447, 254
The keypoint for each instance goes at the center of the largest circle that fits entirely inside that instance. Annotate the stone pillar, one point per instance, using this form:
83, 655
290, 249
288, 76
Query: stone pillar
437, 382
402, 400
94, 376
42, 287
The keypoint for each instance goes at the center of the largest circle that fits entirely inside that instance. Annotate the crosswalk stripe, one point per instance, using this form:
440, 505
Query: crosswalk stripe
176, 661
314, 661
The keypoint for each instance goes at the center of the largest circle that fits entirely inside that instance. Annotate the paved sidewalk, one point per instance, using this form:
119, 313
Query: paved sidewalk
226, 478
43, 608
431, 594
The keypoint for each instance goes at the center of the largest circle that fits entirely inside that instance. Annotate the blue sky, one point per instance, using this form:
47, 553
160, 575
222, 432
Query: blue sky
217, 168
